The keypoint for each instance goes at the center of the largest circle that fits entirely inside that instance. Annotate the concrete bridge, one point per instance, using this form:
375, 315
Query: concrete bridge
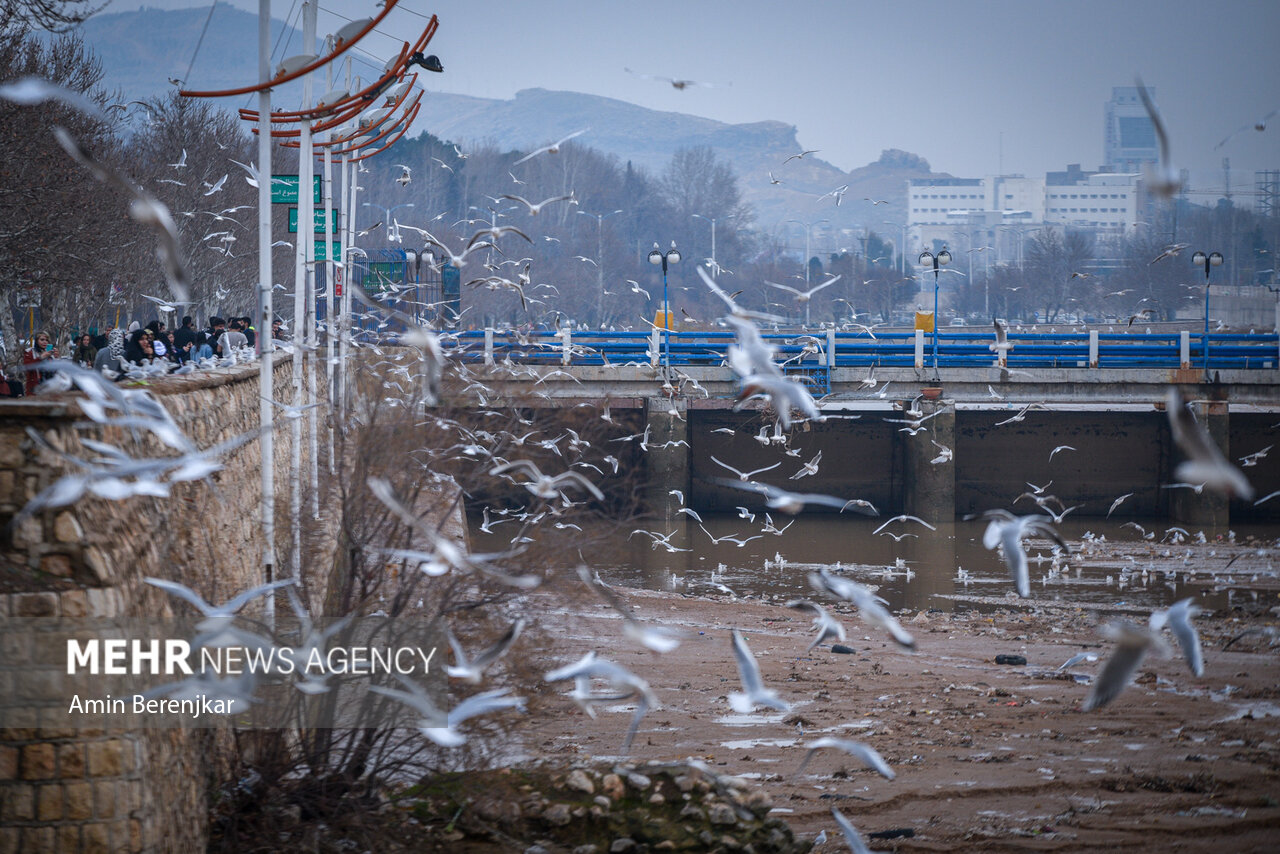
1113, 417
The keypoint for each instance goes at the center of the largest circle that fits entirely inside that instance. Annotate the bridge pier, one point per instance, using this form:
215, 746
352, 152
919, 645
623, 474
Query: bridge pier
667, 459
930, 488
1207, 509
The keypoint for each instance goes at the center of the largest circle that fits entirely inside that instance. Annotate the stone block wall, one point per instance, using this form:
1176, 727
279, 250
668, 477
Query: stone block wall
68, 789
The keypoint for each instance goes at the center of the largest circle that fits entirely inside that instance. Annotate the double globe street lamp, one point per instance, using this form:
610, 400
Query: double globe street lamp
671, 256
942, 259
1213, 259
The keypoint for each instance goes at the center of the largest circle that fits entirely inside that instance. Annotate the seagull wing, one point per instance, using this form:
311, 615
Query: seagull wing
1120, 667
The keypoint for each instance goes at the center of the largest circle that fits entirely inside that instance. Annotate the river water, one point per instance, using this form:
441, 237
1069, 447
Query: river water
1113, 566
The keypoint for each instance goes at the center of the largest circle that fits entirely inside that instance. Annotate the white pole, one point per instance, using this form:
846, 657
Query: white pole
346, 291
313, 440
265, 363
305, 248
335, 311
330, 223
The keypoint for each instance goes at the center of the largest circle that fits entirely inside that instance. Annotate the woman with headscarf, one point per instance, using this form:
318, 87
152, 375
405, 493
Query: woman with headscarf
84, 352
110, 357
133, 347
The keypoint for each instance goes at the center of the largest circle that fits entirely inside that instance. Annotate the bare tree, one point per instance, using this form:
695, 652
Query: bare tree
56, 16
1052, 258
58, 226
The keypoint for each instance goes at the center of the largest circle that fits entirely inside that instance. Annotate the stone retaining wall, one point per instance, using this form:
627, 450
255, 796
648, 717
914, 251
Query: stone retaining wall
64, 789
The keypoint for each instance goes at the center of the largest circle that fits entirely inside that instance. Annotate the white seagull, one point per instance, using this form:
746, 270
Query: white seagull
755, 693
553, 148
1008, 531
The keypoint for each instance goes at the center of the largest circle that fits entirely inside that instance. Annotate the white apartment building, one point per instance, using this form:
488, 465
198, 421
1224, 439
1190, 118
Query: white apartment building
1002, 211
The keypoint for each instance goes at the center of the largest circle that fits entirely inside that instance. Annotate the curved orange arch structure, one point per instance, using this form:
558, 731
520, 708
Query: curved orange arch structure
367, 94
393, 141
411, 112
334, 121
309, 67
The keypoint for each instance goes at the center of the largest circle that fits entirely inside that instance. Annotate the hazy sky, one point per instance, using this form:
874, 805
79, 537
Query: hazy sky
974, 87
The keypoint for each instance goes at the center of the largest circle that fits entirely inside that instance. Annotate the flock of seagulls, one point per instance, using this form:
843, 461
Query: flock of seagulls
111, 473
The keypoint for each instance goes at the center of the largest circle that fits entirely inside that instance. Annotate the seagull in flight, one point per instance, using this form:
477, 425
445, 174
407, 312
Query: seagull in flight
553, 148
804, 296
471, 669
1134, 641
837, 194
871, 608
1177, 619
417, 699
675, 83
1205, 463
744, 475
216, 186
828, 627
590, 667
866, 754
794, 502
754, 693
1163, 180
1007, 530
535, 209
800, 155
216, 617
35, 90
1170, 251
1260, 125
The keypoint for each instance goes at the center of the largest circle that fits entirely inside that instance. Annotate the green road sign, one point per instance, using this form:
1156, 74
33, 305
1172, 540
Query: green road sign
319, 250
319, 221
284, 189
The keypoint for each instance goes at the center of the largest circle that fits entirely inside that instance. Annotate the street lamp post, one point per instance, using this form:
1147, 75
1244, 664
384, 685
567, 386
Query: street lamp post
671, 256
943, 258
715, 266
902, 248
807, 227
1213, 259
600, 218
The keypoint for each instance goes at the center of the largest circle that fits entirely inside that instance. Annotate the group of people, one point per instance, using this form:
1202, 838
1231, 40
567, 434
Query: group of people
111, 352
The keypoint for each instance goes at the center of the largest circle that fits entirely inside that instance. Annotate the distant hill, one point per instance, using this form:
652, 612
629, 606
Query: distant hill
649, 137
142, 50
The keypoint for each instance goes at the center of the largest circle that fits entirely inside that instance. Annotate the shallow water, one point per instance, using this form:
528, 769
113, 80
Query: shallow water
944, 569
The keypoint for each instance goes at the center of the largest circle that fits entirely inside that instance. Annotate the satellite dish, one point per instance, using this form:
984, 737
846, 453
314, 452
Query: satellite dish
293, 63
350, 31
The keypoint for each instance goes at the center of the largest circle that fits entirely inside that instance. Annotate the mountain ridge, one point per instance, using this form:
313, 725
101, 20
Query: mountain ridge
142, 50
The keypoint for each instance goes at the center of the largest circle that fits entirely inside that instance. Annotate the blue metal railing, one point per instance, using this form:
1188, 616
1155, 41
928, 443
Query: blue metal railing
1227, 351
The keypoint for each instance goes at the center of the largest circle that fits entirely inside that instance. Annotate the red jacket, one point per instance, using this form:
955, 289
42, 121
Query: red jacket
32, 378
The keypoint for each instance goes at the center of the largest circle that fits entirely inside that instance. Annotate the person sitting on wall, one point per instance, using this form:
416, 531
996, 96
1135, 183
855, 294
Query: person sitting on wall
213, 335
85, 352
232, 340
155, 330
110, 358
41, 350
133, 347
8, 387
